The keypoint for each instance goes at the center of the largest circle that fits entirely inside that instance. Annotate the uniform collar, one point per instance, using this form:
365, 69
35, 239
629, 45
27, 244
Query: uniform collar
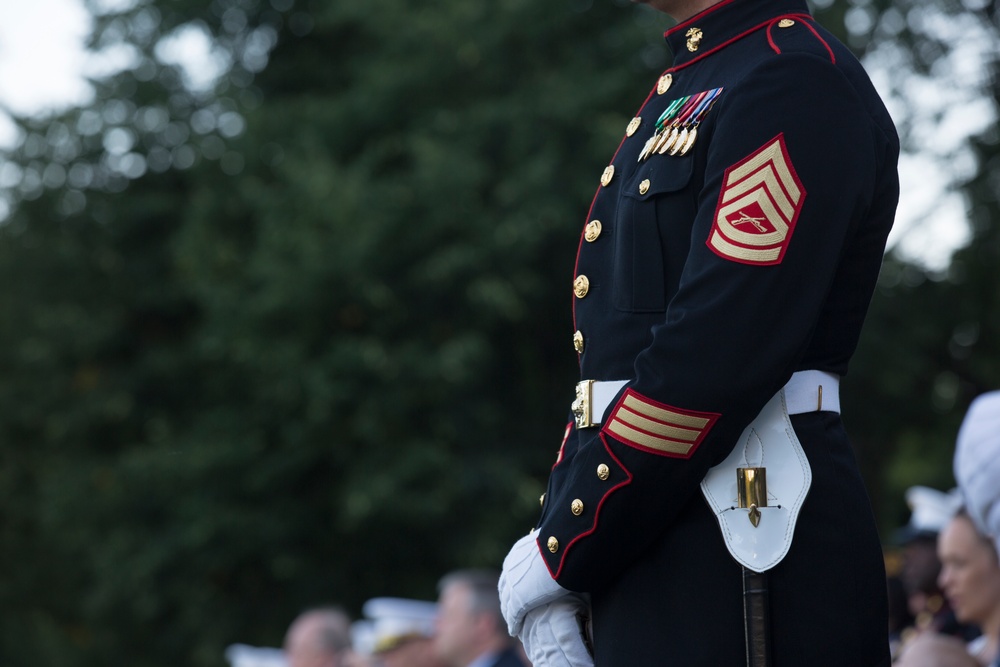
724, 23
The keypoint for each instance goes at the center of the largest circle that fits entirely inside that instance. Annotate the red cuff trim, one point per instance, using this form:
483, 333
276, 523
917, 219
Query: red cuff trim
657, 428
597, 514
562, 447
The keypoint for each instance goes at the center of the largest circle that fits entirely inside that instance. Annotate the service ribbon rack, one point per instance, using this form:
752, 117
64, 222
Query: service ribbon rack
677, 127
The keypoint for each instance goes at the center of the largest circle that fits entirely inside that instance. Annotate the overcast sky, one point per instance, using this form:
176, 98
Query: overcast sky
41, 54
43, 63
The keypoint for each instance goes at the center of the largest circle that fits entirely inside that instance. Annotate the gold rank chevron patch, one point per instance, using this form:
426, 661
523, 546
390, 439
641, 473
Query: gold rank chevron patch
759, 203
658, 428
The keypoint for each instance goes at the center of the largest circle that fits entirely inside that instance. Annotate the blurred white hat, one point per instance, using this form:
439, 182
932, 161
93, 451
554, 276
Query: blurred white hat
930, 510
389, 622
242, 655
977, 463
363, 636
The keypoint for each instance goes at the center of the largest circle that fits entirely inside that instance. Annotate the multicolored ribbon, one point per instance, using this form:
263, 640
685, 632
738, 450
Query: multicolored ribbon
677, 127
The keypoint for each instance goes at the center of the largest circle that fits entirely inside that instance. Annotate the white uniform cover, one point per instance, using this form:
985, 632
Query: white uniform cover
977, 463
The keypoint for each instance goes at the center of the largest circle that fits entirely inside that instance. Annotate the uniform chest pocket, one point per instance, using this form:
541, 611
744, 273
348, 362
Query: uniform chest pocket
656, 191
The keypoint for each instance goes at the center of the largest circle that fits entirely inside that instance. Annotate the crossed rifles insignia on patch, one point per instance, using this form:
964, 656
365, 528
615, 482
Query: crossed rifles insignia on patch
758, 206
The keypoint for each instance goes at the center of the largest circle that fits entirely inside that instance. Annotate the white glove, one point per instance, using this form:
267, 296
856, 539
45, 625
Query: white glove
525, 583
552, 634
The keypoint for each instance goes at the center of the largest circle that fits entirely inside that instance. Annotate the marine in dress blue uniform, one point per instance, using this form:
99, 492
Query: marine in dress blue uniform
735, 238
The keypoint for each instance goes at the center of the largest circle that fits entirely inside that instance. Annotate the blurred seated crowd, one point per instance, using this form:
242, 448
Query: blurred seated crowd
944, 596
943, 585
463, 628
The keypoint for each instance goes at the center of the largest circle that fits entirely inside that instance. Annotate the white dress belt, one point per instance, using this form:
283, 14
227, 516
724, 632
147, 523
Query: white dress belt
812, 391
806, 391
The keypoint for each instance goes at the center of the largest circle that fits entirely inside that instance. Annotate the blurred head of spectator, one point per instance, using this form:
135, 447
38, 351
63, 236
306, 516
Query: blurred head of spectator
318, 637
470, 627
970, 574
930, 511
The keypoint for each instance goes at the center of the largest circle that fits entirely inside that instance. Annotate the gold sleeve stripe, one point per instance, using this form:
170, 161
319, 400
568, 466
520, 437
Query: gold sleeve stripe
746, 254
649, 441
764, 178
656, 427
634, 403
772, 153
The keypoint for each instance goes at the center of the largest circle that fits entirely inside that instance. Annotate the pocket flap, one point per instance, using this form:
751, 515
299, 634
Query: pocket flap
664, 173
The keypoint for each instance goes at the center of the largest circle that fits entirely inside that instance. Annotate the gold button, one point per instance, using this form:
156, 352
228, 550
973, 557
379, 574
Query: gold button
576, 507
663, 85
644, 187
633, 126
578, 342
581, 286
553, 544
541, 500
593, 231
608, 174
603, 472
786, 23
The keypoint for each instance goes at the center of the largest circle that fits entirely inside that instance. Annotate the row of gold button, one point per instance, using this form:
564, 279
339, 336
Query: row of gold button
591, 233
593, 230
581, 286
576, 507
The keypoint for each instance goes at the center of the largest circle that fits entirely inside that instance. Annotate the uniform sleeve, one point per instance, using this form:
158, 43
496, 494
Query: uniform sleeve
790, 173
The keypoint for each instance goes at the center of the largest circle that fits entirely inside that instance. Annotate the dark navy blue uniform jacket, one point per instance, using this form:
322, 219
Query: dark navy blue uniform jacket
708, 276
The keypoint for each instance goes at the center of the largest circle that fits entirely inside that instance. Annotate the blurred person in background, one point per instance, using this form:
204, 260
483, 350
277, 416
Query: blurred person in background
396, 632
319, 637
900, 618
471, 631
970, 574
970, 580
917, 541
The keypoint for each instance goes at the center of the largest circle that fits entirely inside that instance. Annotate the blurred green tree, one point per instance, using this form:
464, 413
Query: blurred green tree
280, 331
932, 340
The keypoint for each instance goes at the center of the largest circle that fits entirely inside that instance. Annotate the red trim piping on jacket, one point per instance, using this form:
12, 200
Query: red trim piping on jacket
597, 514
805, 18
593, 202
766, 24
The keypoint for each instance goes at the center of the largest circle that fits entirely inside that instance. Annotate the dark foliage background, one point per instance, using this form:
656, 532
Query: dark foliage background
304, 335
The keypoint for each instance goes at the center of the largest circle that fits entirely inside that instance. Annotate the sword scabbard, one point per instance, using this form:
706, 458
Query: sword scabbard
755, 618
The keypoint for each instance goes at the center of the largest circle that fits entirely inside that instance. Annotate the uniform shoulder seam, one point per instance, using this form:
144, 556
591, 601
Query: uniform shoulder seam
812, 29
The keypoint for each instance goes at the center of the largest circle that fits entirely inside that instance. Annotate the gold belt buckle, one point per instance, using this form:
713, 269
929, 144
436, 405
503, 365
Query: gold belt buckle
581, 406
